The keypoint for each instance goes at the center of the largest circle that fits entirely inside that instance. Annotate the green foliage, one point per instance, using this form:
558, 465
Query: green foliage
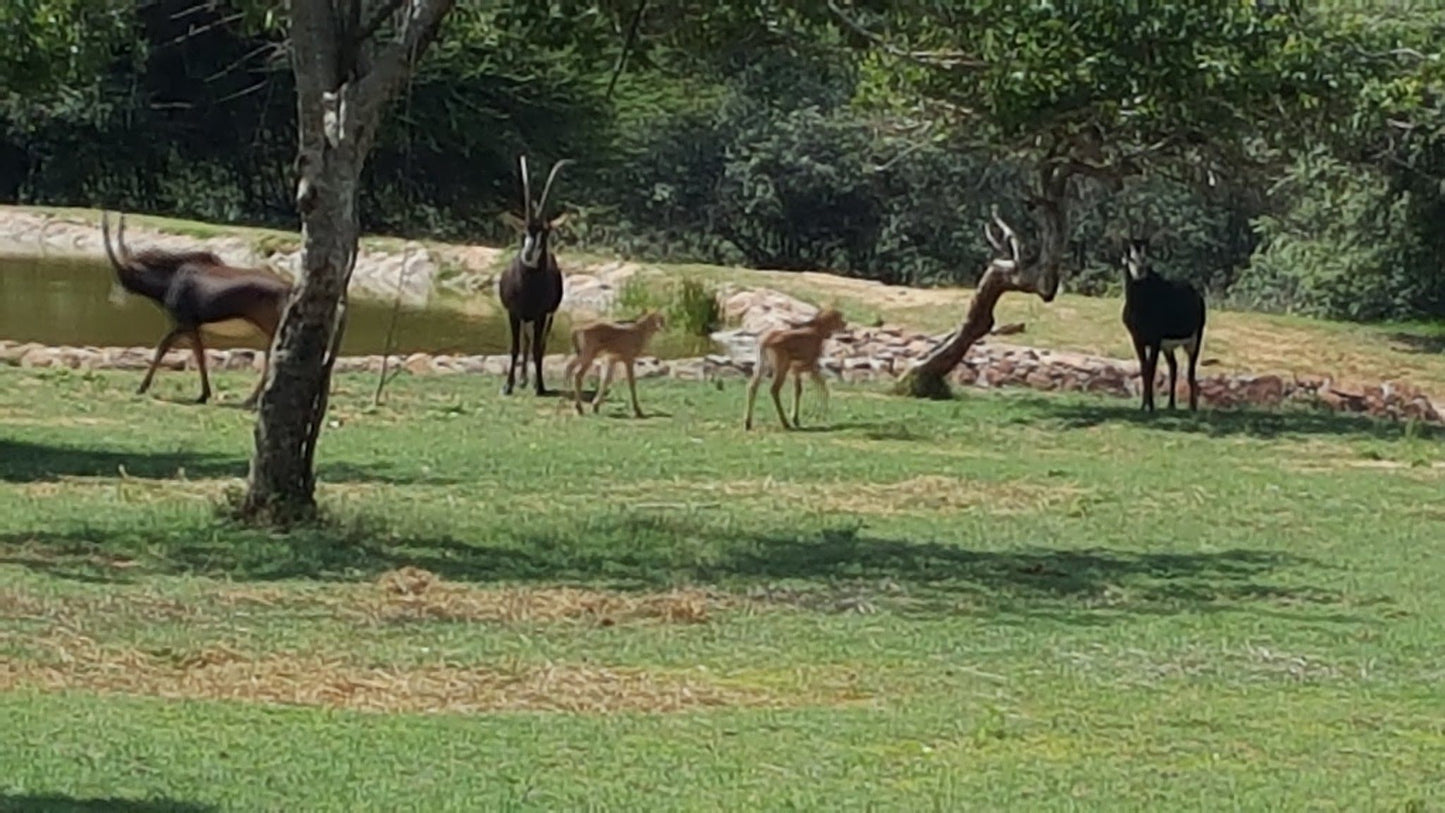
1346, 247
693, 307
776, 135
689, 305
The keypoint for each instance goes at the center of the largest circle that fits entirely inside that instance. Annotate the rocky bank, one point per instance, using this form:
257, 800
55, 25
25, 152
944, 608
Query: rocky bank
858, 354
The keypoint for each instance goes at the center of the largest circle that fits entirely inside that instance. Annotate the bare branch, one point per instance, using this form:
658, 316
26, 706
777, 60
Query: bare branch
392, 66
627, 45
378, 18
196, 32
934, 59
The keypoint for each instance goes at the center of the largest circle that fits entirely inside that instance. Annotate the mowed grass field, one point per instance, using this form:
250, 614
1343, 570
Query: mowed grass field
1006, 600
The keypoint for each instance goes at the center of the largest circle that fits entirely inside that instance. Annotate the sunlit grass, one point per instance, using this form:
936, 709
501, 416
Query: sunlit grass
1004, 600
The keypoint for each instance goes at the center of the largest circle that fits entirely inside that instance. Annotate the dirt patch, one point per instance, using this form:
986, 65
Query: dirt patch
223, 673
928, 493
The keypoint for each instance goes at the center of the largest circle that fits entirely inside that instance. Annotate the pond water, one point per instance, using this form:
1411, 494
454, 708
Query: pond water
67, 301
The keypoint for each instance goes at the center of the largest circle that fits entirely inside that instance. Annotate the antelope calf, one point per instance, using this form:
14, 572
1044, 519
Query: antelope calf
615, 342
795, 349
1161, 315
195, 288
531, 286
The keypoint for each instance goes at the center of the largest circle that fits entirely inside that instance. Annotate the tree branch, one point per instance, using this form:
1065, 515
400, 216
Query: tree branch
627, 46
378, 18
933, 59
394, 63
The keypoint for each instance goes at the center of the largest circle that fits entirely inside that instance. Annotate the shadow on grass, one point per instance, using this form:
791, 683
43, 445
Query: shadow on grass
27, 462
1227, 422
1420, 342
56, 803
631, 552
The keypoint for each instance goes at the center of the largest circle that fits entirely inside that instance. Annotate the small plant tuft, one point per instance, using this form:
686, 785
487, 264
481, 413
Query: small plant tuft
690, 305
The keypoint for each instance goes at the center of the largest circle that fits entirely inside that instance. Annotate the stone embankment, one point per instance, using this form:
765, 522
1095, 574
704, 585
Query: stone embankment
859, 354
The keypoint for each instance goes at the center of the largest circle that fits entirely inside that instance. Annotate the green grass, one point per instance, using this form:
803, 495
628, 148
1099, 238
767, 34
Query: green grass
1001, 601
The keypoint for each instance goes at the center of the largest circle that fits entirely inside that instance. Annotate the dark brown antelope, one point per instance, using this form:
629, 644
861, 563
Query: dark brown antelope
1161, 315
531, 286
195, 288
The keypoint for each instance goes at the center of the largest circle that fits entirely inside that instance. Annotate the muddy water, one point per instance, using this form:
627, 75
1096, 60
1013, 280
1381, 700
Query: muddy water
67, 301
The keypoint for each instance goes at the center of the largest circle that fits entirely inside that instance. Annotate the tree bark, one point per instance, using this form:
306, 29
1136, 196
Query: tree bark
1038, 274
339, 104
929, 378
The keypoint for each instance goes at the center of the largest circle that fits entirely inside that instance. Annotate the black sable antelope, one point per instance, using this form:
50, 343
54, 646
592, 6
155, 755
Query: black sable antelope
1161, 315
531, 287
196, 288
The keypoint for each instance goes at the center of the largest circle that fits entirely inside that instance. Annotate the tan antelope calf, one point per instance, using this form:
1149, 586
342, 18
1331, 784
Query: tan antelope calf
615, 342
796, 348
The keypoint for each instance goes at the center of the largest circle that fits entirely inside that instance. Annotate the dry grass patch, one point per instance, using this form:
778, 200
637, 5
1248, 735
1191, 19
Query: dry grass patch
927, 493
414, 594
132, 489
76, 662
408, 594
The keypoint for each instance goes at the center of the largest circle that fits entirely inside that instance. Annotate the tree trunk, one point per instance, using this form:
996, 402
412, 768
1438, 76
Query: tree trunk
929, 378
339, 105
282, 488
1035, 272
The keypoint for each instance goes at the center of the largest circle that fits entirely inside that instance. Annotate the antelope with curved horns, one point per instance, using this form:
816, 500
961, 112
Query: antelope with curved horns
531, 286
196, 288
1160, 315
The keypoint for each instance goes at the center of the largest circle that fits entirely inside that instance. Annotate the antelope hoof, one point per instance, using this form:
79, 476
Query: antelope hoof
578, 407
596, 407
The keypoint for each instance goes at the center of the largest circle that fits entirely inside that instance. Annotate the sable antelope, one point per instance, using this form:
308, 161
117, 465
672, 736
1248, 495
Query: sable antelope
1161, 315
795, 348
615, 342
531, 286
196, 288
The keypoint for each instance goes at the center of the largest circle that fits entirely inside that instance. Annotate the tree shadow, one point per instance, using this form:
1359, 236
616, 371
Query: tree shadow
58, 803
1419, 342
1231, 422
27, 462
628, 551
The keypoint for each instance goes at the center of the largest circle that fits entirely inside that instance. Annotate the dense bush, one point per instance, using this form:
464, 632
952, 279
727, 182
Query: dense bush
740, 142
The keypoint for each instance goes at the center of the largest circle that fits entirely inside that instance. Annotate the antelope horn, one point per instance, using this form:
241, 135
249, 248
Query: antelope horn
993, 239
1008, 233
526, 188
105, 239
551, 176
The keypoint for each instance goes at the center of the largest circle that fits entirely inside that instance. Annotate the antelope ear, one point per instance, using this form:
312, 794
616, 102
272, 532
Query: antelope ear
557, 221
513, 221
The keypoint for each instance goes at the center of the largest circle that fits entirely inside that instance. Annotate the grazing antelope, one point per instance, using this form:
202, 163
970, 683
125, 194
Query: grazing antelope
1161, 315
531, 286
795, 348
615, 342
196, 288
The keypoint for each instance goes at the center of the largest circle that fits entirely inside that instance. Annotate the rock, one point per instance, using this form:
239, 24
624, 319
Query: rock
13, 353
39, 357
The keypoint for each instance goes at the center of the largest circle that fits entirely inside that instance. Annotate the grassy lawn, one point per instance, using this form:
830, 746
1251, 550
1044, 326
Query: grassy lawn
1006, 600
